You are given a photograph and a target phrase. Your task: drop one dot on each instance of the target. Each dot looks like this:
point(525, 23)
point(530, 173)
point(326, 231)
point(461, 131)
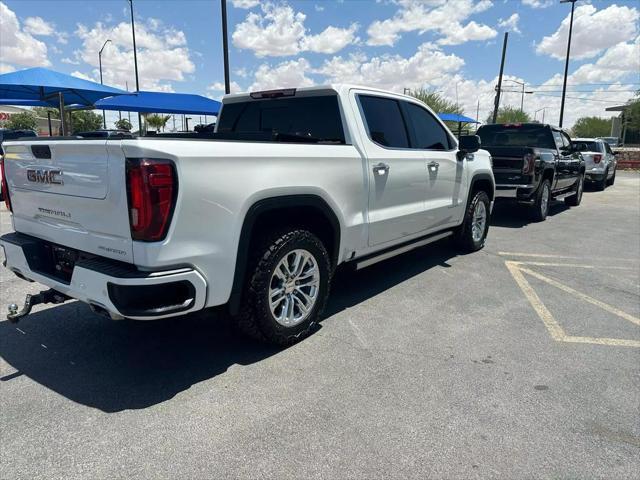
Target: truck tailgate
point(71, 192)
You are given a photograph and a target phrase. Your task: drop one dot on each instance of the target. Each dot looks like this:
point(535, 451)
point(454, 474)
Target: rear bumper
point(109, 287)
point(594, 175)
point(516, 192)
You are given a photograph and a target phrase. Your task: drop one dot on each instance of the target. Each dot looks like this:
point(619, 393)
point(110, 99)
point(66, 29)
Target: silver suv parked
point(600, 162)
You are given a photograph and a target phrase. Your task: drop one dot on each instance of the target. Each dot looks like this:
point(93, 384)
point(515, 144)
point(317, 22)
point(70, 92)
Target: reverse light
point(152, 187)
point(5, 185)
point(597, 158)
point(528, 163)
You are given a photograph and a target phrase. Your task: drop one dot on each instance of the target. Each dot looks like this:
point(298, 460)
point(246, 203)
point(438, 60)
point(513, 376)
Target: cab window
point(427, 133)
point(385, 122)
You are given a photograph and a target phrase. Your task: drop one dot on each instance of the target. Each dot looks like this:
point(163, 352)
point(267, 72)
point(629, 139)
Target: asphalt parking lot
point(519, 361)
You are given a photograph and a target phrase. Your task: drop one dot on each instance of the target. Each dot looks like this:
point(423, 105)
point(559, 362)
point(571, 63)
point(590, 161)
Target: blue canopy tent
point(160, 102)
point(43, 85)
point(459, 119)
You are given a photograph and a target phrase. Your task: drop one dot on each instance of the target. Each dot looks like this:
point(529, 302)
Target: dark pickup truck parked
point(533, 164)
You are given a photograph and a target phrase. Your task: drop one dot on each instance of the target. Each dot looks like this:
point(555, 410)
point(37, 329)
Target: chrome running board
point(407, 247)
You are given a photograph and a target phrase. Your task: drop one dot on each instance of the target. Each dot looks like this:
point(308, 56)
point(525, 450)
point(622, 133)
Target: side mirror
point(468, 144)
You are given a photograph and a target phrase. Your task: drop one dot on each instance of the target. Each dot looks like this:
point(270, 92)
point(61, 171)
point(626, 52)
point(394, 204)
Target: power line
point(579, 84)
point(584, 99)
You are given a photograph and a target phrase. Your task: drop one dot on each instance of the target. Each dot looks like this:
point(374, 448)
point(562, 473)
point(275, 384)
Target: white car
point(600, 161)
point(255, 216)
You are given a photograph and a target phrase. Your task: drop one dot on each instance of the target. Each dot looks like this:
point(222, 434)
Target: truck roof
point(339, 88)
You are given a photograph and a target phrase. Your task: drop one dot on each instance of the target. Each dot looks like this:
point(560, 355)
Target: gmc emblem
point(44, 176)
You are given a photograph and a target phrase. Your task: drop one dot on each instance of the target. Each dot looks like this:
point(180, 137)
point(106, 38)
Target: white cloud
point(292, 73)
point(38, 26)
point(593, 31)
point(17, 46)
point(428, 66)
point(245, 3)
point(280, 31)
point(510, 24)
point(537, 3)
point(216, 89)
point(331, 40)
point(163, 55)
point(458, 34)
point(444, 17)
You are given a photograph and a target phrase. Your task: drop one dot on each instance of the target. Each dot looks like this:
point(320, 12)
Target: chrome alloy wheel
point(479, 221)
point(294, 286)
point(544, 201)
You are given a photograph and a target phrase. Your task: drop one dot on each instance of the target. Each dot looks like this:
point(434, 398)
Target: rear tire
point(287, 288)
point(540, 208)
point(612, 180)
point(602, 184)
point(575, 199)
point(471, 235)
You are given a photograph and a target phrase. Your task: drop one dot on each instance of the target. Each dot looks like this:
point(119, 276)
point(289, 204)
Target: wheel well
point(299, 211)
point(299, 216)
point(483, 185)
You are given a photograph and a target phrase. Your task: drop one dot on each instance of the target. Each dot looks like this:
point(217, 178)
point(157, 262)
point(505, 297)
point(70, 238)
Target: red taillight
point(5, 185)
point(152, 187)
point(597, 158)
point(528, 163)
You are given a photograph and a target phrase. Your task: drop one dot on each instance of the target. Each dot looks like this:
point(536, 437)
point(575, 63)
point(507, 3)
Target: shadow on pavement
point(511, 215)
point(121, 365)
point(116, 366)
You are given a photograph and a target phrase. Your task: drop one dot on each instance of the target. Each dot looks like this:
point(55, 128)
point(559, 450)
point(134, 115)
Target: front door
point(446, 177)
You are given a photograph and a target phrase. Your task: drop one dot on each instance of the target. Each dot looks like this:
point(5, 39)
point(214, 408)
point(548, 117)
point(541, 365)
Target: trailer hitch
point(45, 296)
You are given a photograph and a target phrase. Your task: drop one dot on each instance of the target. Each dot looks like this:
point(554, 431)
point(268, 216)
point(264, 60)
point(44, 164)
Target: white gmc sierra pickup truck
point(255, 216)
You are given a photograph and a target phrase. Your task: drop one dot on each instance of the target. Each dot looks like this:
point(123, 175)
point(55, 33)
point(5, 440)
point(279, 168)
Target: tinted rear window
point(502, 136)
point(12, 135)
point(587, 146)
point(313, 117)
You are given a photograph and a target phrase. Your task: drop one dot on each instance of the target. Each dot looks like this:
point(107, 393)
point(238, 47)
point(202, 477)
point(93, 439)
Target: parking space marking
point(583, 296)
point(553, 327)
point(547, 255)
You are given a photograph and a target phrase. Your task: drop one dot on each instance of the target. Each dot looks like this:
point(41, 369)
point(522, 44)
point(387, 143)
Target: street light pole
point(566, 63)
point(135, 60)
point(104, 118)
point(535, 114)
point(225, 47)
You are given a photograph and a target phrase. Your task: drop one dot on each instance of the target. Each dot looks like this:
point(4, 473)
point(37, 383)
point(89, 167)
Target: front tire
point(472, 234)
point(540, 208)
point(287, 289)
point(575, 199)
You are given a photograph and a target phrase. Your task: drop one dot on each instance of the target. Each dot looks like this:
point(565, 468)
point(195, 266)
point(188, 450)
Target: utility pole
point(478, 112)
point(225, 46)
point(104, 118)
point(566, 63)
point(135, 60)
point(499, 87)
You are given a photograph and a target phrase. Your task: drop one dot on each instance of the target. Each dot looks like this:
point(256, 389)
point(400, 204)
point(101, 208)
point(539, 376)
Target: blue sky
point(452, 46)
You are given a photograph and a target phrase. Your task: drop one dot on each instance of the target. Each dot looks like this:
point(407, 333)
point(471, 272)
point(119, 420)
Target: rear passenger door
point(573, 159)
point(446, 180)
point(397, 174)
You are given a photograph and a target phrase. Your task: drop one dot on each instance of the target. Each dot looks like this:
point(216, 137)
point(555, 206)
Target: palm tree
point(157, 121)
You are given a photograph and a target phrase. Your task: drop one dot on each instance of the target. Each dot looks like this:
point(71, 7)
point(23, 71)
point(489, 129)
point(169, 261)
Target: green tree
point(124, 124)
point(157, 121)
point(509, 114)
point(85, 121)
point(436, 101)
point(22, 121)
point(591, 127)
point(633, 113)
point(42, 112)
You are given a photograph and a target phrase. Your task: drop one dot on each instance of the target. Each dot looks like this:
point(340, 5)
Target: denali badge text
point(45, 176)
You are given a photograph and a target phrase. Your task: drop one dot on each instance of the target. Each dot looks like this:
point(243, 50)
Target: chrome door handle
point(381, 169)
point(433, 165)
